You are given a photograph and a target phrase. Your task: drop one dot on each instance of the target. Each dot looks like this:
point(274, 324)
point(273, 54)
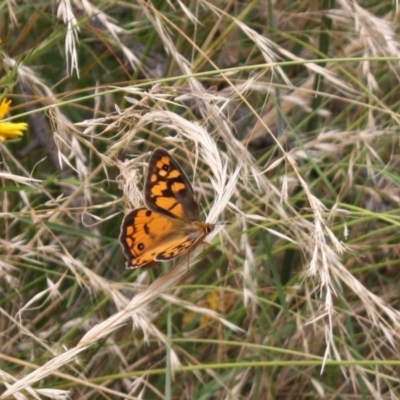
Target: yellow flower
point(10, 130)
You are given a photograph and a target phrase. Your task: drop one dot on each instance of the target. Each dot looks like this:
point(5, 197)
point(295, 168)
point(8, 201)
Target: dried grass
point(297, 297)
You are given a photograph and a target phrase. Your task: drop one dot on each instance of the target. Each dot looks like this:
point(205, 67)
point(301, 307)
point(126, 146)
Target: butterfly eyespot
point(148, 213)
point(165, 167)
point(140, 246)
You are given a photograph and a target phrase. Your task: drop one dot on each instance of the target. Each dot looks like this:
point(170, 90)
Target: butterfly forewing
point(167, 189)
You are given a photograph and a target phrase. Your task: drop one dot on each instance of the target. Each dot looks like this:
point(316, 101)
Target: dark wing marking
point(176, 250)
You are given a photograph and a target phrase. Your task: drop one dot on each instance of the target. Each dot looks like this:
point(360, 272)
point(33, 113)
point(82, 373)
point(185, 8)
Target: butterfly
point(168, 225)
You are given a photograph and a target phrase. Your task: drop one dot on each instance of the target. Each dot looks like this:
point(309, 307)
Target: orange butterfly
point(169, 224)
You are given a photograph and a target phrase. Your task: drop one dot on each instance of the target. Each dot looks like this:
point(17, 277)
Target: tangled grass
point(285, 118)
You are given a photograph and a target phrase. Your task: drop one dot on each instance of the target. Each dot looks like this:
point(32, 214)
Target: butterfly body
point(169, 224)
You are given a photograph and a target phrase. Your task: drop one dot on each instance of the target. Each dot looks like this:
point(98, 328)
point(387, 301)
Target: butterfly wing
point(167, 190)
point(147, 236)
point(176, 248)
point(169, 225)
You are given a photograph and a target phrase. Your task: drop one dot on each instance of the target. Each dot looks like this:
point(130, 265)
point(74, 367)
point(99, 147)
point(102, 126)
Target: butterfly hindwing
point(176, 250)
point(167, 189)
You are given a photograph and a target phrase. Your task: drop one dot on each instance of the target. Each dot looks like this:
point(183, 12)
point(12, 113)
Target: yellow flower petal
point(12, 130)
point(4, 107)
